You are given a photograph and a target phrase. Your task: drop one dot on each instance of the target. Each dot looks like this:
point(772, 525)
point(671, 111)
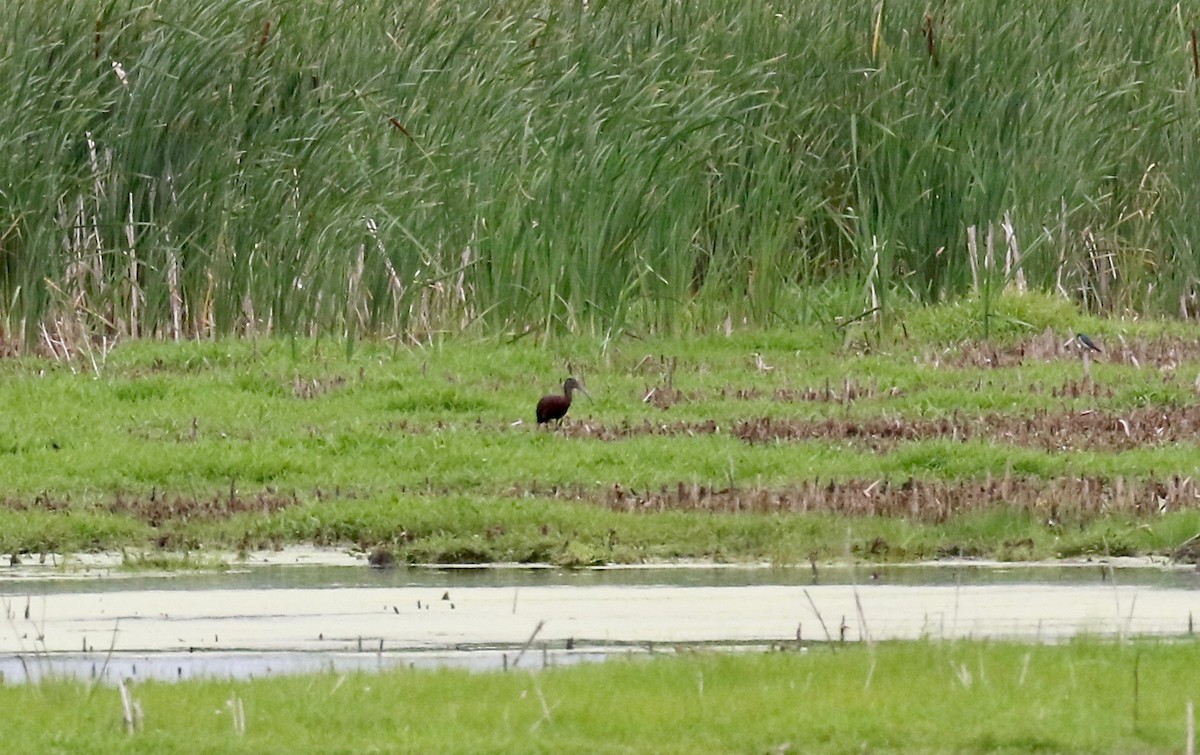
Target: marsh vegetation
point(281, 273)
point(199, 168)
point(784, 446)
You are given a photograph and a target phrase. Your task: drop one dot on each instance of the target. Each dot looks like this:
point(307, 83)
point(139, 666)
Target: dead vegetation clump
point(1041, 428)
point(665, 396)
point(1048, 429)
point(1054, 501)
point(310, 388)
point(1045, 347)
point(612, 432)
point(849, 390)
point(10, 346)
point(156, 510)
point(1164, 352)
point(40, 502)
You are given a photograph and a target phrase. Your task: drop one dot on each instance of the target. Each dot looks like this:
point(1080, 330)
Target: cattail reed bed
point(195, 168)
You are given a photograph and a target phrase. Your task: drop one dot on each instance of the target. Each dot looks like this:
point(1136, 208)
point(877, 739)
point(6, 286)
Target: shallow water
point(97, 622)
point(335, 570)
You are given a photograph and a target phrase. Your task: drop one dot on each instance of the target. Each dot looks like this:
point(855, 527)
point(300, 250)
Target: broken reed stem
point(541, 699)
point(1195, 57)
point(239, 714)
point(107, 656)
point(1190, 740)
point(866, 635)
point(1137, 662)
point(825, 629)
point(528, 642)
point(930, 44)
point(127, 706)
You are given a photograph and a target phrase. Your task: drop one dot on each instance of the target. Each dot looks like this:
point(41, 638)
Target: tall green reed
point(191, 168)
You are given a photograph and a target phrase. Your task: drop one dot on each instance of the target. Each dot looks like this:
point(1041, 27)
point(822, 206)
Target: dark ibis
point(554, 407)
point(1086, 344)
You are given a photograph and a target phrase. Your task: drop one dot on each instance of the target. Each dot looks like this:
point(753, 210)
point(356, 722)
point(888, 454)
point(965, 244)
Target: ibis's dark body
point(554, 407)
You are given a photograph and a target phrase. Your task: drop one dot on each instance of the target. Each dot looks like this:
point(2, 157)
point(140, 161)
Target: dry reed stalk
point(1195, 57)
point(358, 305)
point(989, 250)
point(1190, 738)
point(131, 709)
point(107, 656)
point(1062, 249)
point(877, 33)
point(528, 642)
point(973, 256)
point(1137, 663)
point(462, 292)
point(872, 278)
point(237, 714)
point(176, 297)
point(930, 43)
point(1012, 260)
point(264, 37)
point(825, 629)
point(542, 699)
point(205, 318)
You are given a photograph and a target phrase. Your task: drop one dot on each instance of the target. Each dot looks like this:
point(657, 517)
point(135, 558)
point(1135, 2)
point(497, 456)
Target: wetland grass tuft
point(960, 450)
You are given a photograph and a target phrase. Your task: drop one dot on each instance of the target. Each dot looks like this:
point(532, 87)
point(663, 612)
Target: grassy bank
point(210, 167)
point(1084, 696)
point(777, 445)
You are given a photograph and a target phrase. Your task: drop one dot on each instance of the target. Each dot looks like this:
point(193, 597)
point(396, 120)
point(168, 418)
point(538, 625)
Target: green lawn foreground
point(1084, 696)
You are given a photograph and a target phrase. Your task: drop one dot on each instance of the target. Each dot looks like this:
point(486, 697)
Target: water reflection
point(49, 581)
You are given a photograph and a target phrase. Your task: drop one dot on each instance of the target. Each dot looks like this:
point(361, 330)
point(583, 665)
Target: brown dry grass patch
point(930, 501)
point(1047, 429)
point(157, 509)
point(1165, 352)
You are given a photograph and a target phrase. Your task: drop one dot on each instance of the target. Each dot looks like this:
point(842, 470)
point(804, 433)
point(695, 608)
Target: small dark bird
point(1086, 343)
point(381, 557)
point(554, 407)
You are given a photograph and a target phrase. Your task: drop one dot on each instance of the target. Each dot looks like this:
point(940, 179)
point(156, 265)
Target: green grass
point(1083, 696)
point(464, 529)
point(236, 166)
point(259, 443)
